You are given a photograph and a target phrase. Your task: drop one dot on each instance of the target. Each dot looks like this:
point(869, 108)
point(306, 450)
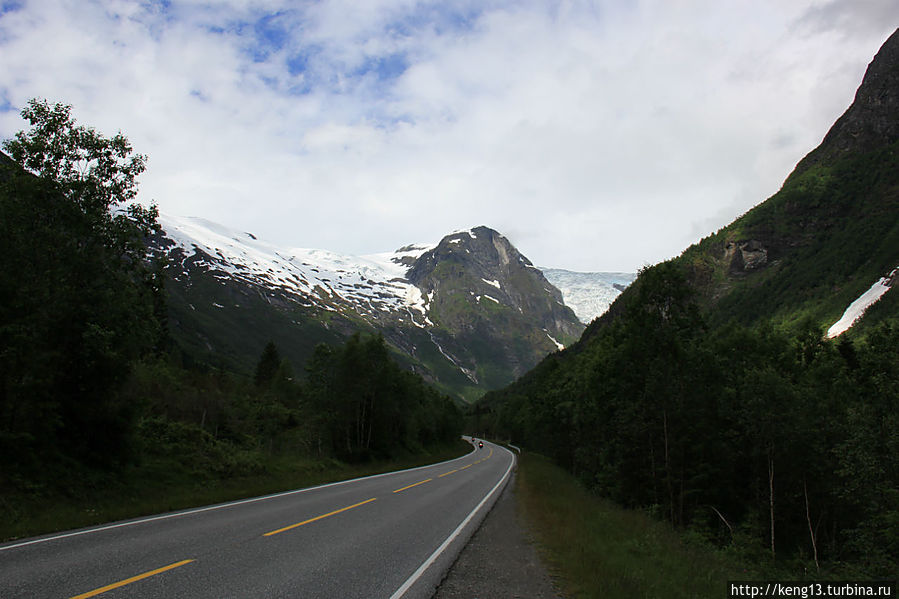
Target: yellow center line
point(421, 482)
point(343, 509)
point(122, 583)
point(447, 473)
point(464, 467)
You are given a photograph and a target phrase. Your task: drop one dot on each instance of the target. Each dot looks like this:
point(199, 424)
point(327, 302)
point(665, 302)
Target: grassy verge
point(160, 487)
point(597, 549)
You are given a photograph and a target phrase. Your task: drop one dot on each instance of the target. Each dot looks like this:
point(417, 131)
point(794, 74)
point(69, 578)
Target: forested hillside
point(709, 394)
point(92, 387)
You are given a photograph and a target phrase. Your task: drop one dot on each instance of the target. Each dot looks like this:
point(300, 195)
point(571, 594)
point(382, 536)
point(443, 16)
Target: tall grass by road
point(597, 549)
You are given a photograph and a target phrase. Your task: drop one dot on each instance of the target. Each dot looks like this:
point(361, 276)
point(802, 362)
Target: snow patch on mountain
point(558, 345)
point(371, 284)
point(857, 308)
point(589, 294)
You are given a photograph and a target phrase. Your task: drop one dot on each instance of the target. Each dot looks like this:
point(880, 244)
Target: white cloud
point(596, 135)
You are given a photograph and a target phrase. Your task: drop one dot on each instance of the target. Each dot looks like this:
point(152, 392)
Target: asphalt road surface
point(391, 535)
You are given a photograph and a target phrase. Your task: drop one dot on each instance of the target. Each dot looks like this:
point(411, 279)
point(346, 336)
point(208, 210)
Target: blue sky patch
point(11, 6)
point(302, 62)
point(385, 68)
point(444, 18)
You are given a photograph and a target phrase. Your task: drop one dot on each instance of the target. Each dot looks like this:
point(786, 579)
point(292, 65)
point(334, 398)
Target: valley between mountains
point(744, 395)
point(469, 313)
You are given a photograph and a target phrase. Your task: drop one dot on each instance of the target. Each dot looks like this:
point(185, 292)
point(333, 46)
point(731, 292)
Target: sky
point(596, 135)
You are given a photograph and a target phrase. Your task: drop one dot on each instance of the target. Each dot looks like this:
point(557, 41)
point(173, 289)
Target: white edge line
point(223, 505)
point(428, 562)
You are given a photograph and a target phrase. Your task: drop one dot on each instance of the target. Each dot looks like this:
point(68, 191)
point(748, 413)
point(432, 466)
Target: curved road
point(391, 535)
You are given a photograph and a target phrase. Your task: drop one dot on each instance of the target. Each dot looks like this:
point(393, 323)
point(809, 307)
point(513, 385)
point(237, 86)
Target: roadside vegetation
point(162, 486)
point(103, 416)
point(595, 548)
point(769, 439)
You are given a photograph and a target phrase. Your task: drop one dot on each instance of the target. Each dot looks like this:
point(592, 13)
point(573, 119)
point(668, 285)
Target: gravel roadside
point(499, 560)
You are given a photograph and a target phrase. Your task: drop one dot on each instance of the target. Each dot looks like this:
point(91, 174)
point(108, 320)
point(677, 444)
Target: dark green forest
point(91, 383)
point(772, 440)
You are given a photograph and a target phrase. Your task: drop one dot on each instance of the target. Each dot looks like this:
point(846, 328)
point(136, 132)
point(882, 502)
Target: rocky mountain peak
point(481, 249)
point(472, 275)
point(872, 121)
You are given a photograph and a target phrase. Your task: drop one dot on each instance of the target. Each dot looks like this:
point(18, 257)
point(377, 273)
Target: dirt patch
point(499, 560)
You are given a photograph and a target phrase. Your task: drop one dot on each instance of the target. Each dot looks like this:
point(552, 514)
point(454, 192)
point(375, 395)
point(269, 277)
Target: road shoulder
point(499, 560)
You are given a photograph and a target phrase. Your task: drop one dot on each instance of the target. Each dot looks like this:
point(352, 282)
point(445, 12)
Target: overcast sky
point(597, 136)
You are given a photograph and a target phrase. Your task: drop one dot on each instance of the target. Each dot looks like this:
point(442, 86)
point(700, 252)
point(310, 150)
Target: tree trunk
point(371, 420)
point(811, 531)
point(726, 523)
point(771, 496)
point(652, 464)
point(668, 469)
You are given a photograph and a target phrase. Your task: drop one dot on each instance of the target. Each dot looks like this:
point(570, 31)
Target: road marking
point(448, 473)
point(220, 506)
point(421, 482)
point(468, 466)
point(122, 583)
point(428, 562)
point(343, 509)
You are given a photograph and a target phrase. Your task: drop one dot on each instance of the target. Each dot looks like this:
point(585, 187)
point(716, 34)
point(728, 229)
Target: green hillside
point(825, 237)
point(709, 395)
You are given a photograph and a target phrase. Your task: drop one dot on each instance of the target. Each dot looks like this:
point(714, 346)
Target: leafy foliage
point(749, 436)
point(369, 406)
point(79, 299)
point(90, 381)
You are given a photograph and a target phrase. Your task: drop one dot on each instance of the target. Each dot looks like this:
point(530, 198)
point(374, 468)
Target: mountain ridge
point(828, 234)
point(469, 312)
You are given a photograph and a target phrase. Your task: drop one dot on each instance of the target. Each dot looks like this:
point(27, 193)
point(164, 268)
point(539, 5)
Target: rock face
point(490, 306)
point(745, 256)
point(470, 268)
point(872, 120)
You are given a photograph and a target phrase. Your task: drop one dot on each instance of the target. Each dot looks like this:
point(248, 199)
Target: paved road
point(390, 536)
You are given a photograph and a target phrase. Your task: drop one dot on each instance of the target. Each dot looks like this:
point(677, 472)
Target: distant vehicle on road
point(480, 444)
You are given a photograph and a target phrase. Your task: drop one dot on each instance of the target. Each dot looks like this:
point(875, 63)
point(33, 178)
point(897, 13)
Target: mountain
point(589, 294)
point(469, 313)
point(828, 235)
point(712, 392)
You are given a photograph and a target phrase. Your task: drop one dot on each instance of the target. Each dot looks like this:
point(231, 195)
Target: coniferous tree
point(268, 366)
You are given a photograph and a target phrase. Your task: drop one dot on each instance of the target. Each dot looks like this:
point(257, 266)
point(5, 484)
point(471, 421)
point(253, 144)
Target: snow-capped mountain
point(372, 285)
point(589, 294)
point(470, 312)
